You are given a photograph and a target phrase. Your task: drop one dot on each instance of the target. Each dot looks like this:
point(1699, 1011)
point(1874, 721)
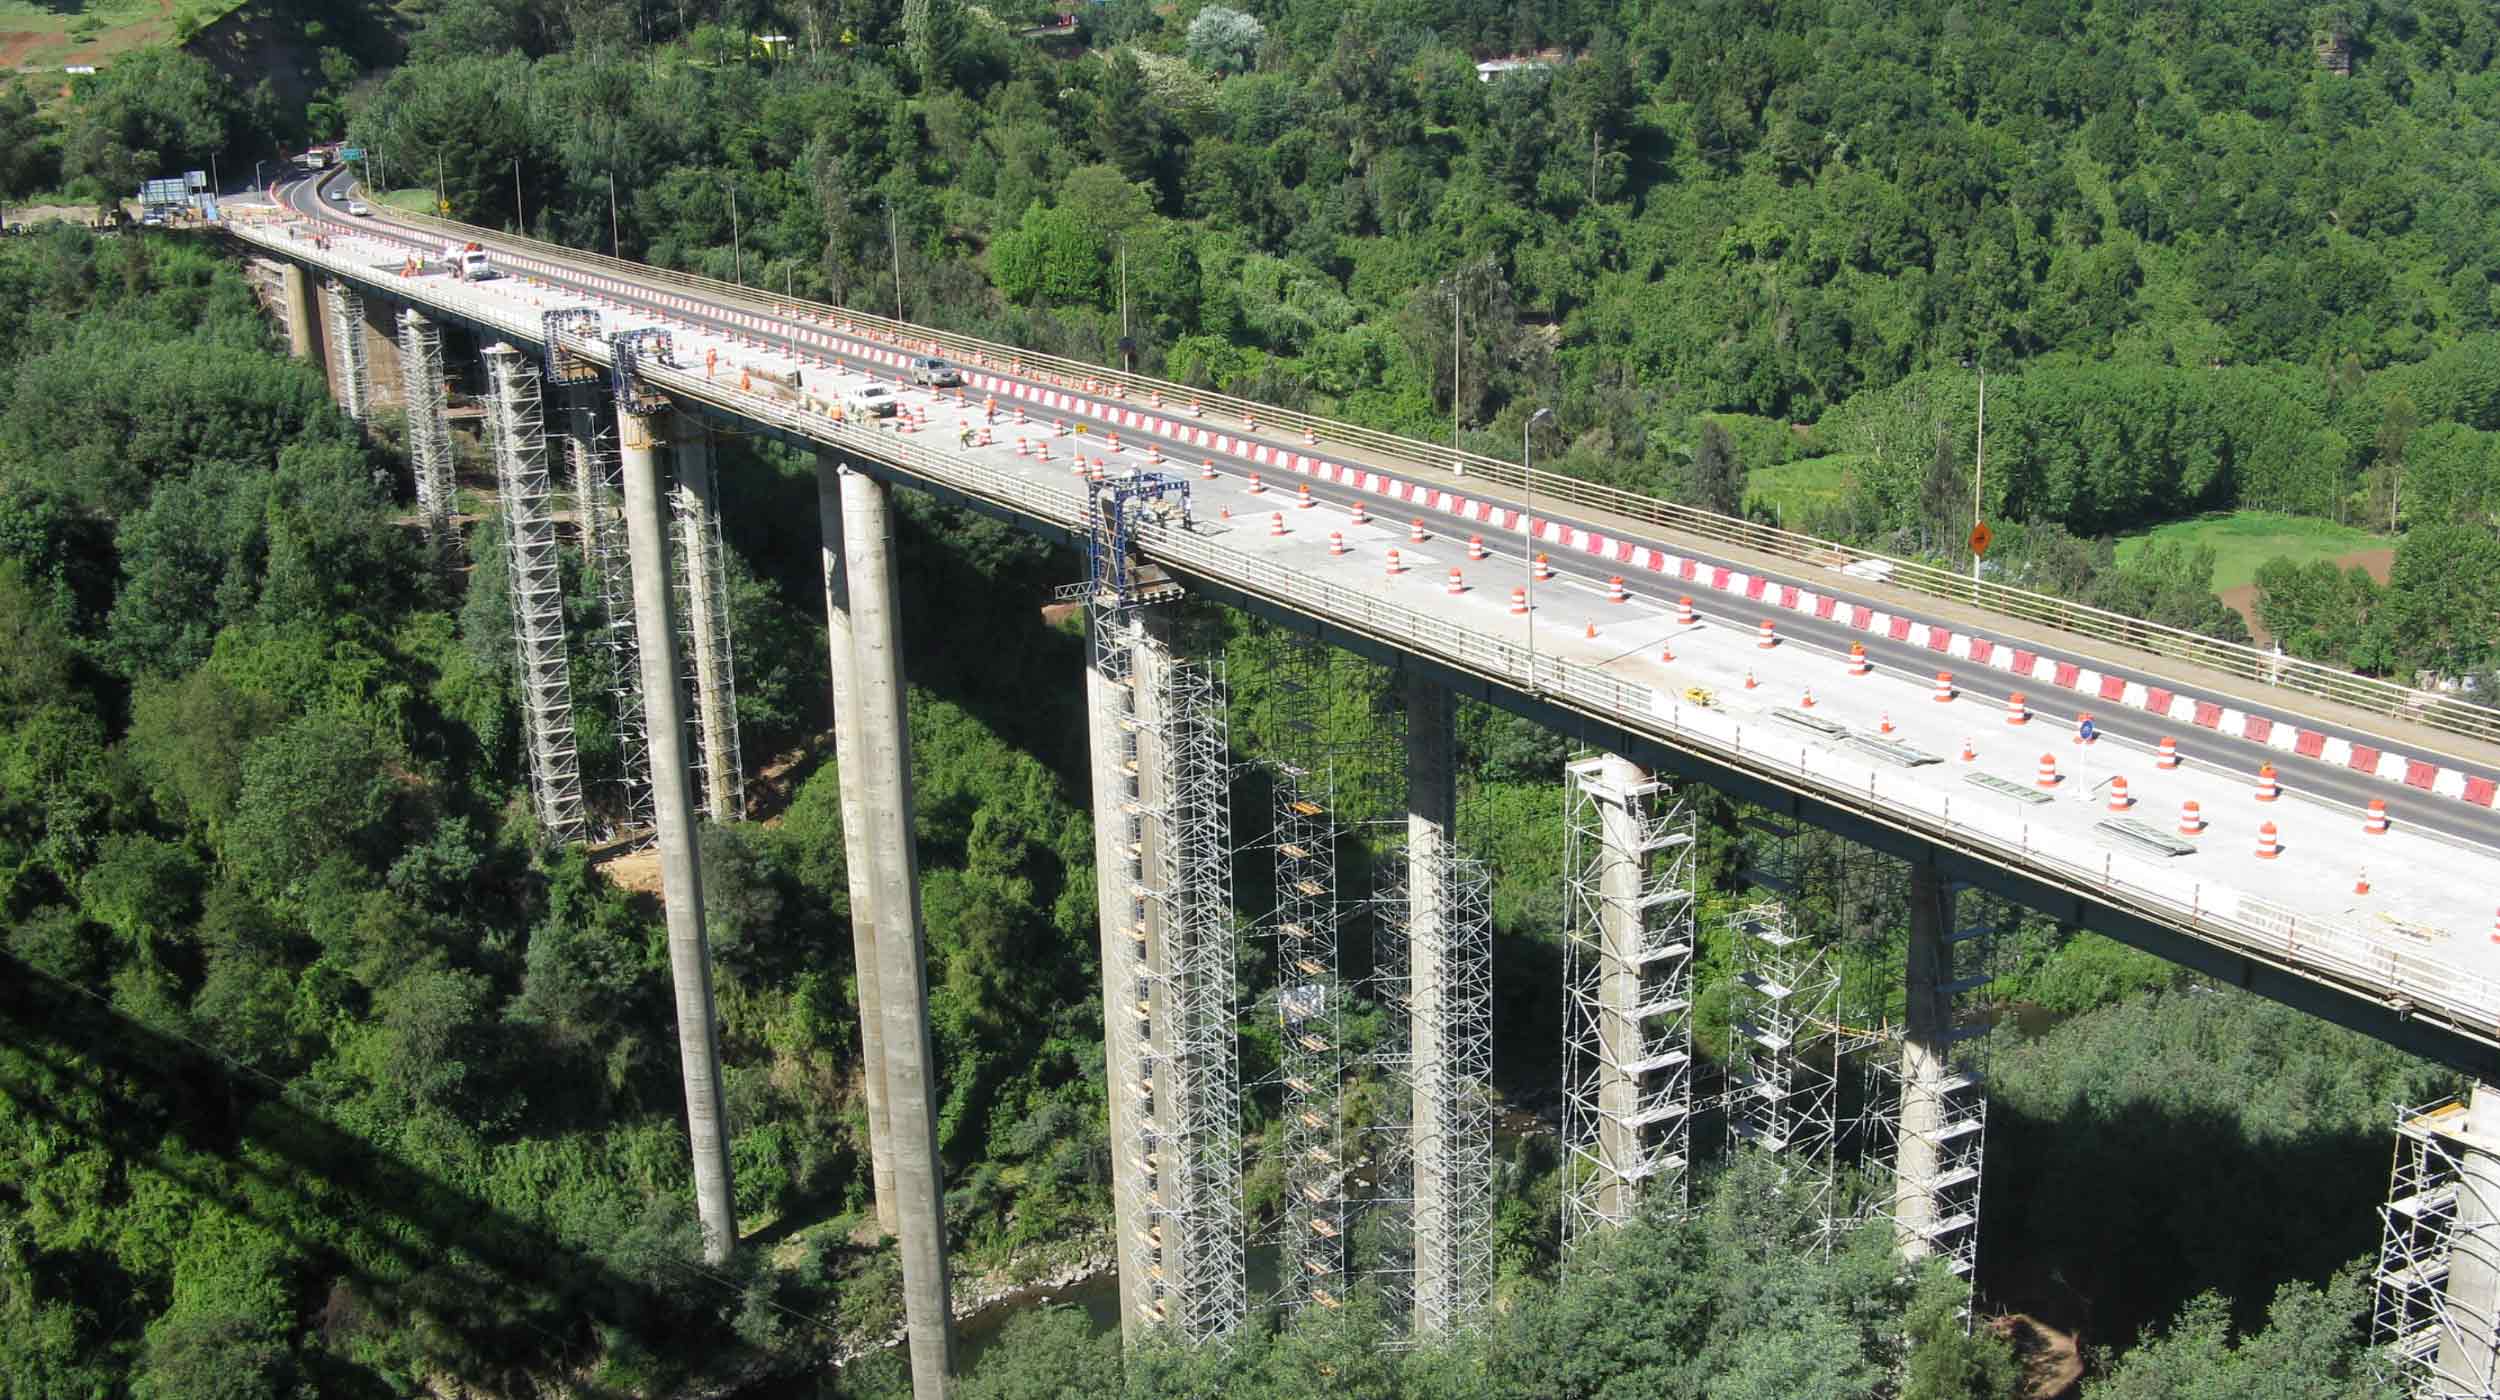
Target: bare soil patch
point(2052, 1362)
point(636, 871)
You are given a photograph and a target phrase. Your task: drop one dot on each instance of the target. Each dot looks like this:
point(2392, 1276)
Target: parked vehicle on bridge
point(871, 401)
point(930, 372)
point(471, 263)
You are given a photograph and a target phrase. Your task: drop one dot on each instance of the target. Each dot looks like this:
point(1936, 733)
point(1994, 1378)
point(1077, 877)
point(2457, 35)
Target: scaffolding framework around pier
point(1628, 1005)
point(1180, 1065)
point(2434, 1344)
point(347, 345)
point(1783, 1085)
point(1310, 1008)
point(700, 576)
point(598, 493)
point(1940, 1095)
point(430, 457)
point(518, 439)
point(1452, 1078)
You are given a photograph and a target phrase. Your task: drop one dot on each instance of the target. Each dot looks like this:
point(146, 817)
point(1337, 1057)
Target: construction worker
point(963, 436)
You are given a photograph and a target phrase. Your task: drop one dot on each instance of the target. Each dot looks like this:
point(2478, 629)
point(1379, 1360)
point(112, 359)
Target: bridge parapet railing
point(2427, 708)
point(2323, 948)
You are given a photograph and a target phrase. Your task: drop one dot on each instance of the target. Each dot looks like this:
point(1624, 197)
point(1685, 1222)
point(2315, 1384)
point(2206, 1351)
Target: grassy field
point(40, 37)
point(1792, 487)
point(414, 201)
point(2242, 540)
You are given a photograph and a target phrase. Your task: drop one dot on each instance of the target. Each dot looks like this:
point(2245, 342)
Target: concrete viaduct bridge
point(2317, 837)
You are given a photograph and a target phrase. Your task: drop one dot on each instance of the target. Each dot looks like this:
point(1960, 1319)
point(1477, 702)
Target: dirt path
point(2243, 599)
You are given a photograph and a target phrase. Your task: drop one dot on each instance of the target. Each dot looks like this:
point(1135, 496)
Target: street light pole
point(1979, 472)
point(894, 245)
point(1527, 481)
point(519, 210)
point(616, 241)
point(737, 249)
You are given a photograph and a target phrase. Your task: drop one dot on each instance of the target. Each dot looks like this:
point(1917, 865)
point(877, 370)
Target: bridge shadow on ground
point(2108, 1217)
point(485, 1297)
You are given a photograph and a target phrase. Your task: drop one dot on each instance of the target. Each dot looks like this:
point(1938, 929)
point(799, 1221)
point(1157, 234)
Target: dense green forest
point(323, 1076)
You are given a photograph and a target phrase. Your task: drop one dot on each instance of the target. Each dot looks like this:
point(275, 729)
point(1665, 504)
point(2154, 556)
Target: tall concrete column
point(1619, 987)
point(1926, 1027)
point(2469, 1345)
point(1431, 811)
point(1150, 663)
point(303, 318)
point(715, 694)
point(1131, 941)
point(902, 962)
point(681, 872)
point(857, 859)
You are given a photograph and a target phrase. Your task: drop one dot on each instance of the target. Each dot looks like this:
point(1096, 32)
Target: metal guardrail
point(2426, 708)
point(2321, 949)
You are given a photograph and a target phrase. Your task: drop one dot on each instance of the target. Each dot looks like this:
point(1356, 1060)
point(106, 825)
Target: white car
point(360, 209)
point(873, 401)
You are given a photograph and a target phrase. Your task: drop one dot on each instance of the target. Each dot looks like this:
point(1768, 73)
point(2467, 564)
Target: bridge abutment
point(681, 873)
point(902, 968)
point(858, 861)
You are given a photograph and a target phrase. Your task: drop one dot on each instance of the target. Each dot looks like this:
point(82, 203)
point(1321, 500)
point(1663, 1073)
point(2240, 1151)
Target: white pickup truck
point(469, 262)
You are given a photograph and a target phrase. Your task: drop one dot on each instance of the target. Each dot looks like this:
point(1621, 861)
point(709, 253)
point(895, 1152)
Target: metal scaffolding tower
point(702, 583)
point(1196, 1047)
point(2434, 1337)
point(598, 495)
point(609, 572)
point(1782, 1087)
point(347, 342)
point(1452, 1072)
point(1383, 1244)
point(1310, 1004)
point(429, 426)
point(519, 442)
point(1628, 1003)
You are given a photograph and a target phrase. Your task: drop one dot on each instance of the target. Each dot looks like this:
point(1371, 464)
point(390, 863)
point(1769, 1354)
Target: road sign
point(1981, 537)
point(351, 153)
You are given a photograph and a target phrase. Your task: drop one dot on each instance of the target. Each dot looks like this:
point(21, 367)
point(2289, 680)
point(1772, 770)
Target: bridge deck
point(2424, 934)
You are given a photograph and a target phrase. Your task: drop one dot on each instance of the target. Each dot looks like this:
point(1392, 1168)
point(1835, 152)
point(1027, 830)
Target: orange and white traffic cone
point(2267, 846)
point(1257, 487)
point(2119, 801)
point(2017, 711)
point(1858, 664)
point(1944, 687)
point(1768, 637)
point(1276, 523)
point(1415, 534)
point(2361, 881)
point(1302, 499)
point(1457, 584)
point(1808, 702)
point(2048, 771)
point(1684, 615)
point(1476, 549)
point(1542, 570)
point(1969, 754)
point(2169, 756)
point(1614, 590)
point(1519, 602)
point(1395, 568)
point(1336, 542)
point(2268, 788)
point(2191, 819)
point(2375, 824)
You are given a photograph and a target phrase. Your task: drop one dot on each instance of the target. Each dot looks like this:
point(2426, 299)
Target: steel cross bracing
point(347, 341)
point(699, 572)
point(1116, 508)
point(517, 435)
point(2437, 1346)
point(598, 490)
point(1453, 1230)
point(1782, 1089)
point(1628, 1001)
point(429, 426)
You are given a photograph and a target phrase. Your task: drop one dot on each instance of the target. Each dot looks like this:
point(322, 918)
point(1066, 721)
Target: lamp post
point(1527, 481)
point(256, 180)
point(1979, 468)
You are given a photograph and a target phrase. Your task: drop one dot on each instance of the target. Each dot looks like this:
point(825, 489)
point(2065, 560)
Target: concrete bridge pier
point(885, 793)
point(351, 381)
point(303, 319)
point(429, 424)
point(2469, 1341)
point(1431, 812)
point(857, 859)
point(1941, 1132)
point(1125, 755)
point(681, 872)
